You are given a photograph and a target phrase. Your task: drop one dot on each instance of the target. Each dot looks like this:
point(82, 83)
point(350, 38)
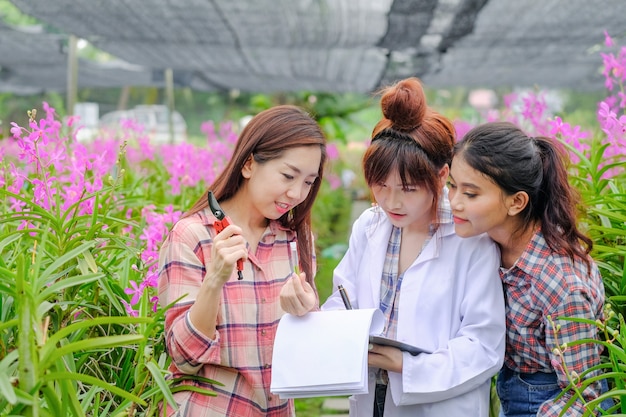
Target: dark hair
point(536, 165)
point(267, 136)
point(411, 137)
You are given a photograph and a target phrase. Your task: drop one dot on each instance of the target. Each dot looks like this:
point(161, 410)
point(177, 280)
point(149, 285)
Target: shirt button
point(262, 300)
point(270, 398)
point(267, 366)
point(263, 332)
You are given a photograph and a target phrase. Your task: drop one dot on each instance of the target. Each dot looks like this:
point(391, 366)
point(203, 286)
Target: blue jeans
point(521, 395)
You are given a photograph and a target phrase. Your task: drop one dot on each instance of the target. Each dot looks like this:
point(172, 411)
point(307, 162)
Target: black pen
point(344, 297)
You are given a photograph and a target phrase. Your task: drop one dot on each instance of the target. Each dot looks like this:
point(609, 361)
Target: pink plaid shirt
point(240, 357)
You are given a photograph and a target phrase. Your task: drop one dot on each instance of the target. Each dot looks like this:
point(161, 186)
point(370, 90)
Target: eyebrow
point(466, 184)
point(298, 170)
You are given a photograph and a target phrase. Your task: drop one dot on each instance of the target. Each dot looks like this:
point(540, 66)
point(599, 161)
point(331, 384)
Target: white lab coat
point(451, 303)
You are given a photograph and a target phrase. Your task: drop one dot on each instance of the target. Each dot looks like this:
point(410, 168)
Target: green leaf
point(89, 400)
point(67, 283)
point(12, 237)
point(61, 260)
point(158, 378)
point(43, 308)
point(82, 265)
point(73, 376)
point(56, 338)
point(53, 402)
point(6, 388)
point(8, 324)
point(27, 370)
point(90, 344)
point(90, 261)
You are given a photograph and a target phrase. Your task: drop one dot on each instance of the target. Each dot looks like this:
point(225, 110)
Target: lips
point(282, 208)
point(395, 216)
point(458, 220)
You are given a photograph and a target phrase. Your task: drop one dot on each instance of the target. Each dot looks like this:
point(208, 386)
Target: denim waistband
point(543, 375)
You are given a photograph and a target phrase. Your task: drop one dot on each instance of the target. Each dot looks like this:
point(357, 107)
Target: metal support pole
point(169, 91)
point(72, 73)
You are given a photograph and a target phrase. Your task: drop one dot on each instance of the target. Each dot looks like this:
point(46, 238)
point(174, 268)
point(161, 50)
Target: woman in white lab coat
point(437, 291)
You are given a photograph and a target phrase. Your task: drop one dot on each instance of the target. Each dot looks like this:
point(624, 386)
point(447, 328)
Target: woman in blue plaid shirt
point(515, 188)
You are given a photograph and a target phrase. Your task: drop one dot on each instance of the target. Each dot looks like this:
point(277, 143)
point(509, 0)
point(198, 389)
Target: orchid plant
point(80, 224)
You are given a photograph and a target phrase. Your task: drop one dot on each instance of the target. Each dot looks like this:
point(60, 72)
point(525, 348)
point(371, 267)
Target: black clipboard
point(381, 340)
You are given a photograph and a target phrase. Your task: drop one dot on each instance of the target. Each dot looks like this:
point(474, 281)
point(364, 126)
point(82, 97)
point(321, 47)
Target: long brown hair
point(411, 137)
point(266, 137)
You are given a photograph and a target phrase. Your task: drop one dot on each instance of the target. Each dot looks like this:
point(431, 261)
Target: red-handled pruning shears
point(222, 221)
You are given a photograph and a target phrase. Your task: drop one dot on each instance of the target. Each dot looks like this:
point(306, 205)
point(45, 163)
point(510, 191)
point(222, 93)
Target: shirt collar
point(535, 254)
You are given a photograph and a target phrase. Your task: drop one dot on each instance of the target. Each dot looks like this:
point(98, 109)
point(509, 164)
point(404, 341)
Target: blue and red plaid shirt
point(240, 356)
point(544, 284)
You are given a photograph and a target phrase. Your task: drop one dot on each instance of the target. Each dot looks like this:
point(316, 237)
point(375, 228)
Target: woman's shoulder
point(194, 224)
point(370, 220)
point(370, 214)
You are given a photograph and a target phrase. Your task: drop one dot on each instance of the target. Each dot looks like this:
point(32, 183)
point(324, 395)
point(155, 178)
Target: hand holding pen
point(297, 297)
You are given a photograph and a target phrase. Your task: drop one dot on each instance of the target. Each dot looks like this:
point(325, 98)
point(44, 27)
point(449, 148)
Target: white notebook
point(323, 353)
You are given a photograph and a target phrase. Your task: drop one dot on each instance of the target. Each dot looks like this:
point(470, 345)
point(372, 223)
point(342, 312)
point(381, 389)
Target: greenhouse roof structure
point(317, 45)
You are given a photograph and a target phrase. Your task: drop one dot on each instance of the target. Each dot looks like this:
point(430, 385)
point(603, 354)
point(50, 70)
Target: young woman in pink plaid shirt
point(515, 188)
point(221, 328)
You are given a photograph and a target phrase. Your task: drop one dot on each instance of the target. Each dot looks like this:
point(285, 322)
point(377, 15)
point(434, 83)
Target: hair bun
point(404, 104)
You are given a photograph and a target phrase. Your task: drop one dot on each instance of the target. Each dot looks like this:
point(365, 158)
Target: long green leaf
point(24, 398)
point(158, 378)
point(53, 403)
point(615, 215)
point(61, 260)
point(54, 339)
point(26, 337)
point(112, 296)
point(12, 237)
point(6, 389)
point(90, 401)
point(67, 283)
point(73, 376)
point(90, 261)
point(90, 344)
point(70, 396)
point(8, 324)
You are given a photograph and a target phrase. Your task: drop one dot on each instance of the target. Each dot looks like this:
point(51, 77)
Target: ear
point(517, 202)
point(444, 173)
point(246, 170)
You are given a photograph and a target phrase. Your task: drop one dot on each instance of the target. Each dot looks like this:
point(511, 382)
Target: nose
point(297, 192)
point(455, 203)
point(394, 200)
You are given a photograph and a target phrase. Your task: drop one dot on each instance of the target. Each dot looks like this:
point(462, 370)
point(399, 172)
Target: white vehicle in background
point(153, 118)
